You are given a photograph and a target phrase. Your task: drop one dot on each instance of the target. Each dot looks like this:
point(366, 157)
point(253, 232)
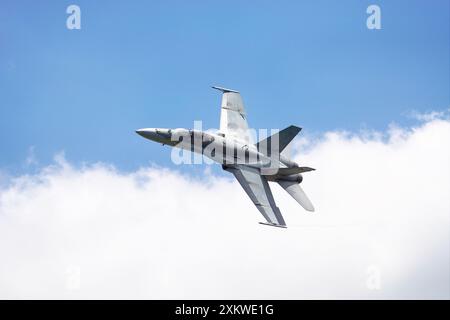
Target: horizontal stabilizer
point(278, 141)
point(284, 171)
point(294, 189)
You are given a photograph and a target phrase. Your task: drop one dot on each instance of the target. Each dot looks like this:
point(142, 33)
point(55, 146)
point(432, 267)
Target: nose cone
point(144, 132)
point(154, 134)
point(148, 133)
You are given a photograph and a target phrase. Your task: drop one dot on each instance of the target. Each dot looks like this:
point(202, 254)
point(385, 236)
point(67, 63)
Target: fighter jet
point(253, 164)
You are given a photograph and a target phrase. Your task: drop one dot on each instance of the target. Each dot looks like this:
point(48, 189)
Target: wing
point(233, 120)
point(257, 188)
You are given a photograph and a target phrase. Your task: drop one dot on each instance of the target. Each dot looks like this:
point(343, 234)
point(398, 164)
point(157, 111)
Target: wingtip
point(274, 225)
point(224, 90)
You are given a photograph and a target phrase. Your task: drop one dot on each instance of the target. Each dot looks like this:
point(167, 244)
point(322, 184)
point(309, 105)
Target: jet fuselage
point(217, 147)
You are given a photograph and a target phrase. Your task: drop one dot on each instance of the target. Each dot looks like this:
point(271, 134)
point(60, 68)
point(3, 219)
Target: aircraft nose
point(140, 131)
point(146, 133)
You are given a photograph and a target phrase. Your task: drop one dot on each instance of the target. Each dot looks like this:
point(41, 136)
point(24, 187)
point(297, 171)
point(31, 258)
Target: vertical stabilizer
point(278, 141)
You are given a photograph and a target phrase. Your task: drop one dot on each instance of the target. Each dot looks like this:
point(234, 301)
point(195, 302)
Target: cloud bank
point(380, 230)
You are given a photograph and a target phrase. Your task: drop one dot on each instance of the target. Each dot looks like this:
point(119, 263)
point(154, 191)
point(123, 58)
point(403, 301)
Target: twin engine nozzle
point(293, 177)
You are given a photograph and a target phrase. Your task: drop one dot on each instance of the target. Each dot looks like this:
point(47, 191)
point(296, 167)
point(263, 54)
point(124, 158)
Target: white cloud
point(382, 205)
point(429, 116)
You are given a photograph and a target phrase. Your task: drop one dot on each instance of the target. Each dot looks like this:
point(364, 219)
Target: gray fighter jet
point(253, 164)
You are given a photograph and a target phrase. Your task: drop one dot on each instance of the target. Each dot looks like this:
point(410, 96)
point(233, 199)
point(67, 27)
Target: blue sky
point(150, 64)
